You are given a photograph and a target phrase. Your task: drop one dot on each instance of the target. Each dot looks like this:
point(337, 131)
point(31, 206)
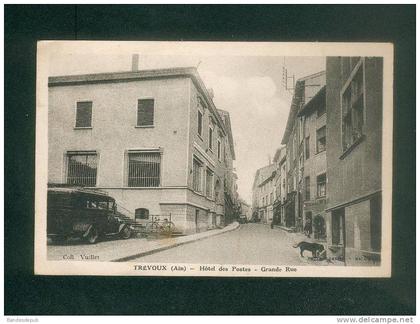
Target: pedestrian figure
point(308, 228)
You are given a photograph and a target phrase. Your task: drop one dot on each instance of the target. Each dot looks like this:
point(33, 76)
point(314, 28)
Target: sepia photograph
point(236, 160)
point(214, 159)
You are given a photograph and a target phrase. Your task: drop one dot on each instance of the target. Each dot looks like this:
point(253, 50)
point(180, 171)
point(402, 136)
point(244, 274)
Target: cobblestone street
point(250, 244)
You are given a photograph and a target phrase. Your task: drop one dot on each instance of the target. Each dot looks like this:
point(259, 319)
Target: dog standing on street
point(315, 248)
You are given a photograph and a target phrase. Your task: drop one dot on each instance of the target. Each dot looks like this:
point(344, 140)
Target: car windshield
point(95, 204)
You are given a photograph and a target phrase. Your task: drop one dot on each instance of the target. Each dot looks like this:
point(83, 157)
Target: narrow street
point(250, 244)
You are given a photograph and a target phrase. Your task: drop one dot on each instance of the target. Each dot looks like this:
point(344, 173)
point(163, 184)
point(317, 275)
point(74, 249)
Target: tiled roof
point(313, 102)
point(265, 173)
point(65, 80)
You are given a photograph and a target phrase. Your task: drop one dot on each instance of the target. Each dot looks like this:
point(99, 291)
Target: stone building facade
point(354, 158)
point(314, 180)
point(305, 89)
point(263, 192)
point(152, 139)
point(280, 186)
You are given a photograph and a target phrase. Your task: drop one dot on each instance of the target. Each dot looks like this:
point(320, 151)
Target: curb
point(288, 230)
point(163, 248)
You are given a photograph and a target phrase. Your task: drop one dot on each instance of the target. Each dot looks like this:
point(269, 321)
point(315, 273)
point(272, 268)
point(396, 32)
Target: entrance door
point(338, 229)
point(319, 227)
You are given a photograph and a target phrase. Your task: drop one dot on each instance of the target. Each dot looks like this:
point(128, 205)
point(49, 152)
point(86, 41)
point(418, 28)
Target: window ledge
point(198, 193)
point(352, 146)
point(134, 187)
point(199, 136)
point(89, 127)
point(145, 126)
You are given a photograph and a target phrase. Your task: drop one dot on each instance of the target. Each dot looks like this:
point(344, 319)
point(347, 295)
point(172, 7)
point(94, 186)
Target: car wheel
point(93, 235)
point(126, 233)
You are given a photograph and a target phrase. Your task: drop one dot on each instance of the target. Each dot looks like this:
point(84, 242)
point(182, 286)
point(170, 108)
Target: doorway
point(338, 234)
point(197, 215)
point(319, 227)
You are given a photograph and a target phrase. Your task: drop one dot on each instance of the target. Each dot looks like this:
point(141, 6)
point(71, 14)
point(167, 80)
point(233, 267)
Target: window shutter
point(145, 112)
point(84, 114)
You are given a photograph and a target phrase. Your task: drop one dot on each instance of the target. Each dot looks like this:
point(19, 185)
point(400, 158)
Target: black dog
point(315, 248)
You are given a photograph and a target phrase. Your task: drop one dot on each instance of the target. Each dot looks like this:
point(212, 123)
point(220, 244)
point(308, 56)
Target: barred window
point(144, 169)
point(142, 213)
point(321, 183)
point(82, 168)
point(84, 114)
point(197, 175)
point(145, 112)
point(209, 183)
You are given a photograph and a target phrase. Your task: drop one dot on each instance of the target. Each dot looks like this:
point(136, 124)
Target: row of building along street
point(325, 177)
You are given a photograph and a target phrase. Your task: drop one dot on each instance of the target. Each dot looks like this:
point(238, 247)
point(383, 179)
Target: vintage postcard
point(214, 159)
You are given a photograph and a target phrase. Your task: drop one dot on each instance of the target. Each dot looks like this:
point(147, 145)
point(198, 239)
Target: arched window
point(142, 213)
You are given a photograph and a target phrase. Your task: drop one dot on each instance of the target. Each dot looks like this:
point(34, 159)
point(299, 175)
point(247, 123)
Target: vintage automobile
point(84, 213)
point(243, 219)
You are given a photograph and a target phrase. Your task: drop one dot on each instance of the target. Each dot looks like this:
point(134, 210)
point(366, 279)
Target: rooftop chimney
point(211, 93)
point(135, 63)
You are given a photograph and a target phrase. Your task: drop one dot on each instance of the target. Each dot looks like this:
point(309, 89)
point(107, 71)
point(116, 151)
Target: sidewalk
point(297, 237)
point(126, 250)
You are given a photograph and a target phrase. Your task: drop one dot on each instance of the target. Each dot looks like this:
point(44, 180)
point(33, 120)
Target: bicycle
point(160, 227)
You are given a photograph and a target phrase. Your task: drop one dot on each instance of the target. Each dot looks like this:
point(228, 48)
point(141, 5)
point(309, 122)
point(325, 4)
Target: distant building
point(305, 89)
point(245, 210)
point(153, 139)
point(280, 186)
point(230, 187)
point(354, 158)
point(314, 182)
point(263, 194)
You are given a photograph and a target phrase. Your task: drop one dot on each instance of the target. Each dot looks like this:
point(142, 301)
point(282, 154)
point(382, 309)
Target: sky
point(249, 87)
